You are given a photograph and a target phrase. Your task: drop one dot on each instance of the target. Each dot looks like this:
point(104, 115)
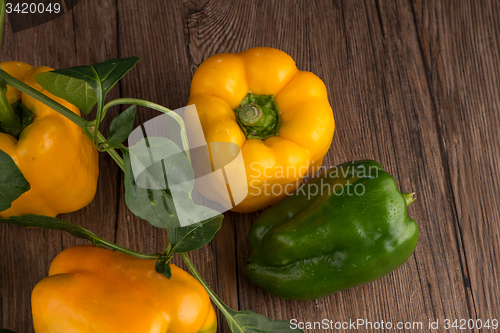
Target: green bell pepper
point(346, 227)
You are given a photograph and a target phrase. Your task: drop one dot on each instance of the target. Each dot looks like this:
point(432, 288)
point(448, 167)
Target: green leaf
point(12, 181)
point(158, 186)
point(111, 71)
point(122, 126)
point(158, 183)
point(154, 206)
point(162, 266)
point(149, 153)
point(250, 322)
point(47, 222)
point(73, 90)
point(190, 238)
point(85, 73)
point(101, 77)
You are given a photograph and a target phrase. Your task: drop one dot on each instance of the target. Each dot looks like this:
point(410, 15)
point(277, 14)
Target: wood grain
point(414, 84)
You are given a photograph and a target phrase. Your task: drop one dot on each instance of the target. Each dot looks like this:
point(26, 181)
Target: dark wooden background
point(413, 84)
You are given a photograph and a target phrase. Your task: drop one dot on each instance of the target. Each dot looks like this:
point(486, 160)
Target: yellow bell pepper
point(93, 290)
point(54, 155)
point(279, 116)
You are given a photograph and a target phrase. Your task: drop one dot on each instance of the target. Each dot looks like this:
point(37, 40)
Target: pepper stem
point(258, 116)
point(409, 198)
point(250, 114)
point(10, 122)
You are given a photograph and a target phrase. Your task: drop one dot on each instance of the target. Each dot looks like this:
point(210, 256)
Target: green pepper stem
point(250, 114)
point(9, 120)
point(409, 198)
point(258, 116)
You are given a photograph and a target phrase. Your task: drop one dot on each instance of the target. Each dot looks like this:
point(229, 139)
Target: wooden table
point(413, 84)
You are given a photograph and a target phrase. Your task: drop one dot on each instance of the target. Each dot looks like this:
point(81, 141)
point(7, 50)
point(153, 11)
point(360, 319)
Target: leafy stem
point(218, 302)
point(88, 127)
point(111, 151)
point(47, 222)
point(15, 83)
point(157, 107)
point(98, 119)
point(168, 250)
point(241, 321)
point(126, 250)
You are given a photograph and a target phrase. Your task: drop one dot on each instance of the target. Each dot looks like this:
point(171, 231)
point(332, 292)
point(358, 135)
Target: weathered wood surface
point(413, 84)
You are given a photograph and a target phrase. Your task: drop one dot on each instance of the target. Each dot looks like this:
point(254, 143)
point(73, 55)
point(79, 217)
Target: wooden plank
point(436, 287)
point(460, 49)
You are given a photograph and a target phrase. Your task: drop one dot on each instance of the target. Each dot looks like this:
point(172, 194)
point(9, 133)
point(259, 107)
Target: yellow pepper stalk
point(279, 116)
point(53, 153)
point(93, 290)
